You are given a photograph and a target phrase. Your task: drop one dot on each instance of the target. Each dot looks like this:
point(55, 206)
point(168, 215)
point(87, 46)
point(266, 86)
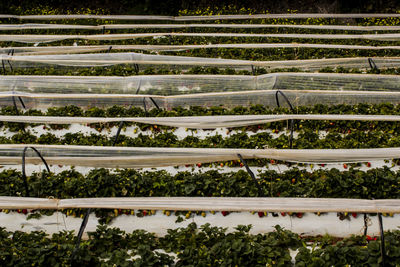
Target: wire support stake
point(253, 70)
point(23, 167)
point(365, 224)
point(79, 237)
point(383, 252)
point(260, 193)
point(373, 66)
point(292, 109)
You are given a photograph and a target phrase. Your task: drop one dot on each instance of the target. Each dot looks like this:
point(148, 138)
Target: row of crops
point(240, 140)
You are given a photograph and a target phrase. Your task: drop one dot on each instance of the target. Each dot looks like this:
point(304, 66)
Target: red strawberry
point(354, 214)
point(224, 213)
point(299, 215)
point(368, 164)
point(222, 165)
point(260, 214)
point(345, 165)
point(24, 211)
point(322, 165)
point(283, 213)
point(119, 211)
point(293, 181)
point(199, 165)
point(144, 212)
point(241, 164)
point(278, 194)
point(272, 161)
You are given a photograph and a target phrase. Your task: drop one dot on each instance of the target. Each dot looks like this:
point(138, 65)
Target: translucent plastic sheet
point(76, 49)
point(181, 62)
point(148, 84)
point(30, 26)
point(199, 18)
point(42, 38)
point(193, 84)
point(199, 122)
point(149, 157)
point(226, 99)
point(268, 204)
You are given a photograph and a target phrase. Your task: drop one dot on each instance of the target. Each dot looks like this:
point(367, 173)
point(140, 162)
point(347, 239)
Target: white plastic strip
point(29, 26)
point(42, 38)
point(268, 204)
point(199, 122)
point(77, 49)
point(108, 59)
point(201, 18)
point(193, 84)
point(142, 157)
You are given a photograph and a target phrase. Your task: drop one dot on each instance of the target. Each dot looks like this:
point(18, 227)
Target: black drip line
point(291, 108)
point(27, 193)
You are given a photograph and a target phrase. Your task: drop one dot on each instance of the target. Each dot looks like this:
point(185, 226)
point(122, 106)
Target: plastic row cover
point(192, 84)
point(226, 99)
point(198, 122)
point(199, 18)
point(30, 26)
point(142, 157)
point(268, 204)
point(42, 38)
point(181, 62)
point(79, 49)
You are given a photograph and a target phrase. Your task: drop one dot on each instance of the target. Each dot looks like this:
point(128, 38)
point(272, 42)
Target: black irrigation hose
point(365, 224)
point(260, 194)
point(79, 238)
point(383, 252)
point(136, 68)
point(23, 167)
point(292, 109)
point(253, 70)
point(4, 68)
point(373, 65)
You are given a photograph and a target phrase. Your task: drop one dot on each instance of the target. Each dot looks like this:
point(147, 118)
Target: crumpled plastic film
point(202, 18)
point(167, 85)
point(181, 62)
point(38, 26)
point(269, 204)
point(199, 122)
point(148, 157)
point(43, 38)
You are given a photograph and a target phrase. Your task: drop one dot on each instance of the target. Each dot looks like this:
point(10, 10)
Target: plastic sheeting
point(149, 157)
point(268, 204)
point(199, 122)
point(40, 26)
point(42, 38)
point(201, 18)
point(79, 49)
point(225, 99)
point(181, 62)
point(192, 84)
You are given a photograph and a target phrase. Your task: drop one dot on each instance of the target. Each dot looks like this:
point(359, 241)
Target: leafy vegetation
point(194, 246)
